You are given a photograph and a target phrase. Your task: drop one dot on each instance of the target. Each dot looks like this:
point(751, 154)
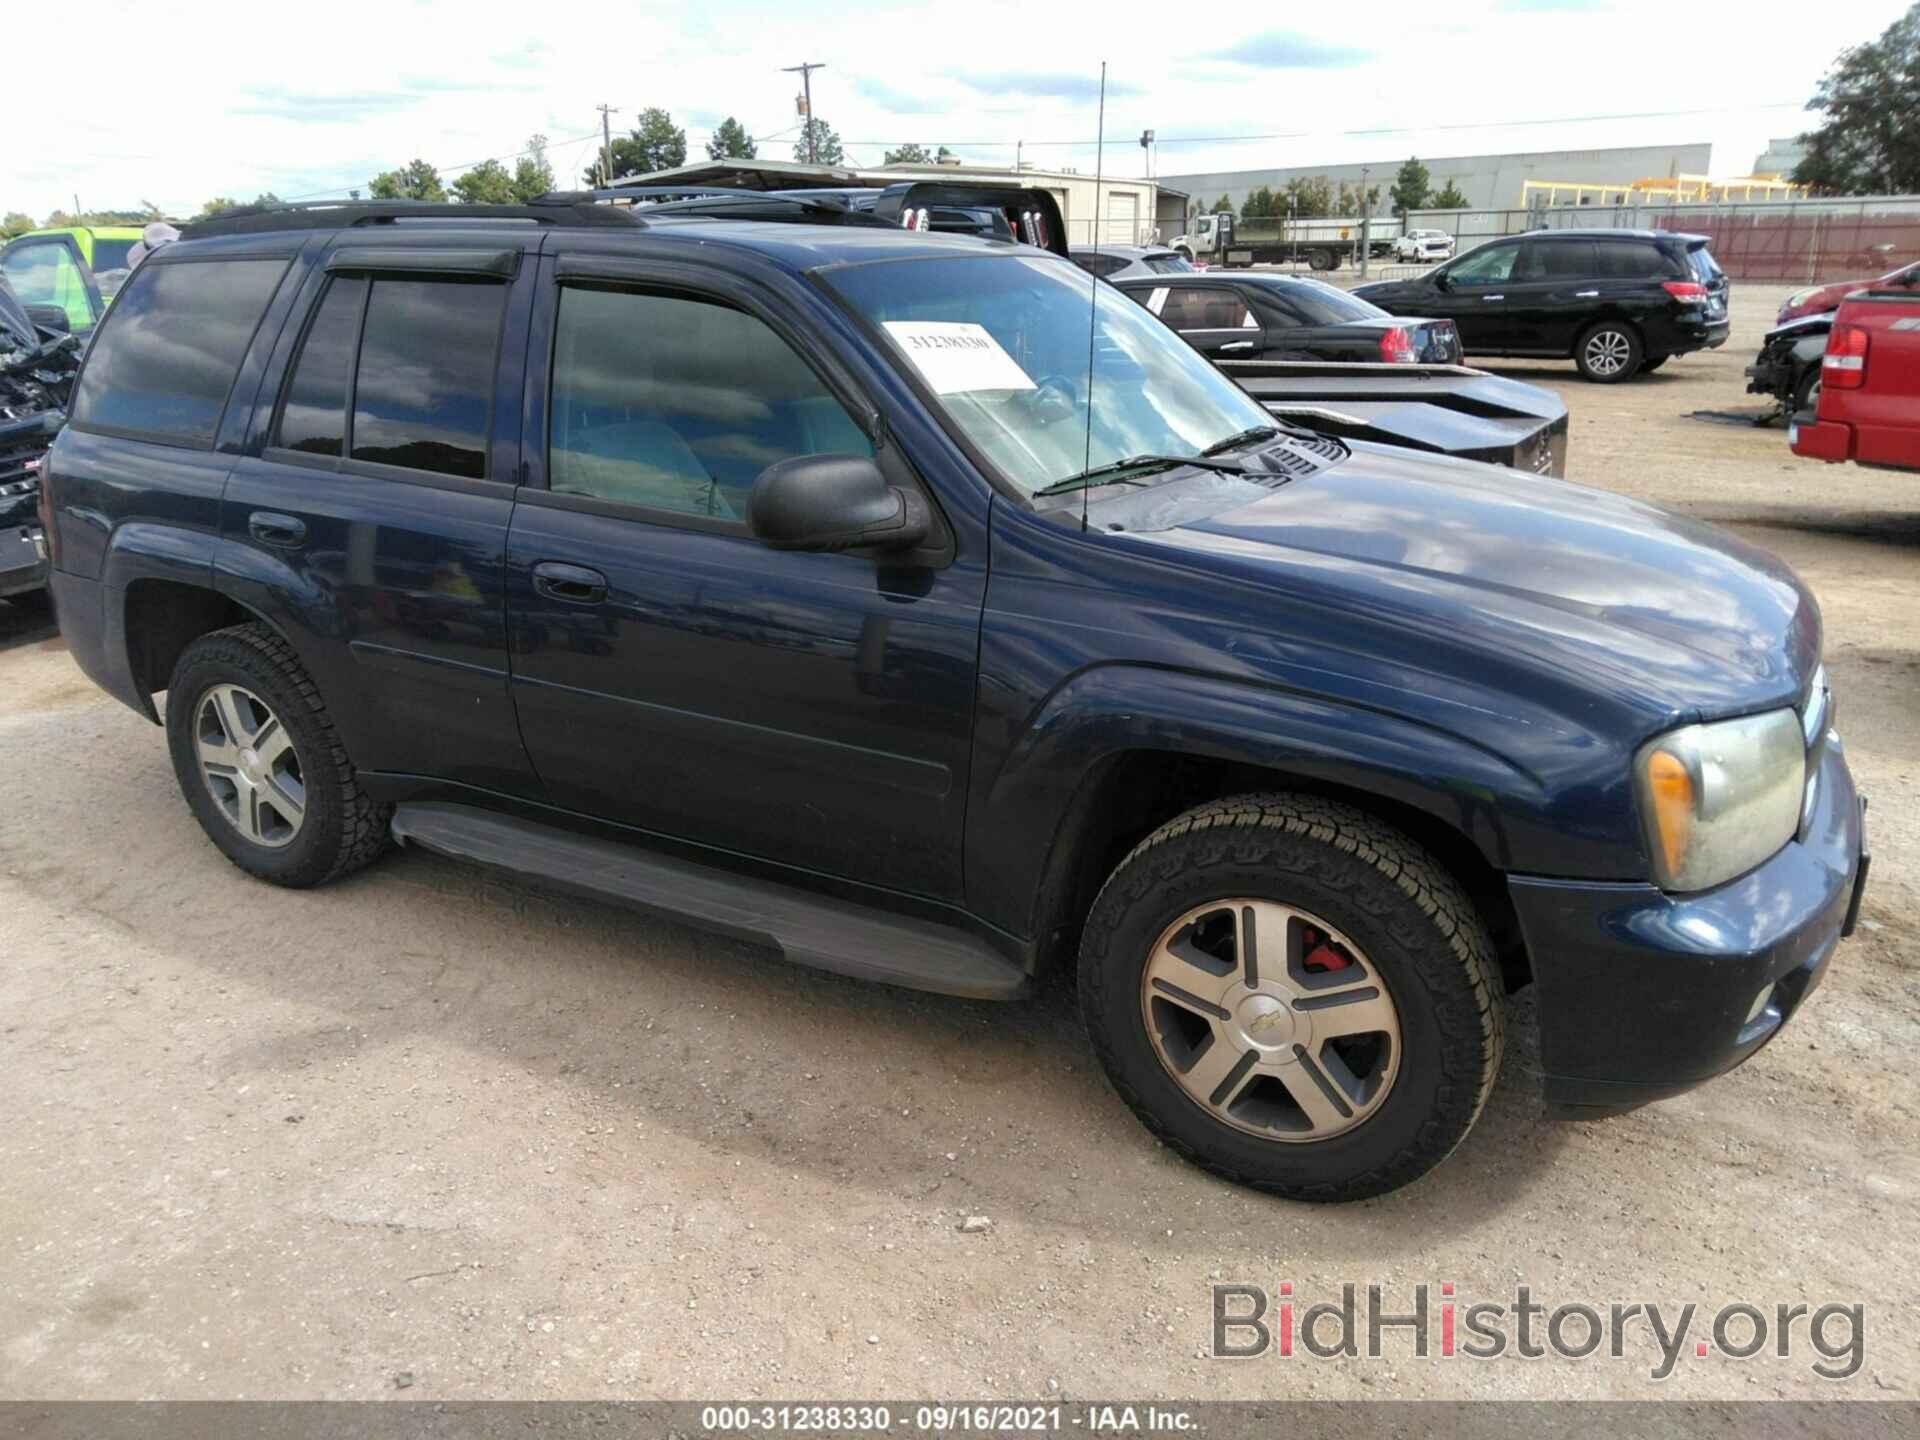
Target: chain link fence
point(1800, 242)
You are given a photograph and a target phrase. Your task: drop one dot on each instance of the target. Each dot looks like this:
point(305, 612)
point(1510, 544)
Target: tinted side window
point(678, 404)
point(421, 398)
point(170, 348)
point(1634, 260)
point(1490, 266)
point(1559, 260)
point(1168, 264)
point(1190, 307)
point(313, 418)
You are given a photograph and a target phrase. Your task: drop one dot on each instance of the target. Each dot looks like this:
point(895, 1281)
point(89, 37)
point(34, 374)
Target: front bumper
point(1643, 994)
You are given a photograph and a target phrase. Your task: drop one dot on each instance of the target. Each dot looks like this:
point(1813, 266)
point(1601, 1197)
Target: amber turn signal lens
point(1673, 805)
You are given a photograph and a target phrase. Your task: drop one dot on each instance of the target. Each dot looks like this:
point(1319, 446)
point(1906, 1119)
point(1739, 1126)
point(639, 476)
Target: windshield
point(1002, 342)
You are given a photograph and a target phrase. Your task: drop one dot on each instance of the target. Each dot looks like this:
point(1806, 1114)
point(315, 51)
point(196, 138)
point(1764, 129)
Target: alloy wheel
point(1271, 1020)
point(250, 766)
point(1607, 352)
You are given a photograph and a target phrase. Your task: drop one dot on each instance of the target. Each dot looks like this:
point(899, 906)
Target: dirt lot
point(427, 1134)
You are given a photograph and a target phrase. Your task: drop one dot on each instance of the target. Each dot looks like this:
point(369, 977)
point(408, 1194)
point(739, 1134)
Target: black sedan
point(1289, 317)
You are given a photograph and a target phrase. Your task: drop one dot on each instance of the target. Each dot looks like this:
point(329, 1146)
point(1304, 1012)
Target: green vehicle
point(76, 267)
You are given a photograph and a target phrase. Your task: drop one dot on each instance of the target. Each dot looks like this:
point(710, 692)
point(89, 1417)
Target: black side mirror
point(834, 502)
point(1440, 280)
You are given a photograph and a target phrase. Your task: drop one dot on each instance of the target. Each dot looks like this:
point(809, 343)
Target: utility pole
point(606, 143)
point(805, 73)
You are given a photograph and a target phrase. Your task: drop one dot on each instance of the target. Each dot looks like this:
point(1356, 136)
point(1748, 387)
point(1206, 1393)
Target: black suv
point(1617, 302)
point(912, 604)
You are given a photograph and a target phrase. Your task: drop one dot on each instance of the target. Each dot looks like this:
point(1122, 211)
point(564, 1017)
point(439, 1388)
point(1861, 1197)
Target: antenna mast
point(1093, 291)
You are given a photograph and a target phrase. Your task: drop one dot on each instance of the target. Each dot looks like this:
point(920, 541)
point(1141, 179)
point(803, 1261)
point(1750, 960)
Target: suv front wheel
point(1608, 352)
point(258, 761)
point(1294, 996)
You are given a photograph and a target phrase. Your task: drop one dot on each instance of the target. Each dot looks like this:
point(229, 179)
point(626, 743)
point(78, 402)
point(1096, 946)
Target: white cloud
point(233, 99)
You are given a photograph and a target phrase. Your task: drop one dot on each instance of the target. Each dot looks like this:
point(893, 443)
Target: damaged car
point(37, 364)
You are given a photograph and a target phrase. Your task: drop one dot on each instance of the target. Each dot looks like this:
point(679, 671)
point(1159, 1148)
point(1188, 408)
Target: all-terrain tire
point(342, 829)
point(1421, 934)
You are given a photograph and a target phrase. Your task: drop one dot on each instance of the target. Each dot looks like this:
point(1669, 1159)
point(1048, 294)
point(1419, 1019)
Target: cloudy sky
point(308, 101)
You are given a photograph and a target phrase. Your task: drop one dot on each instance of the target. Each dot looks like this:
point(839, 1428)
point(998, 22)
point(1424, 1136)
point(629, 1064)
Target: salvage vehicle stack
point(37, 364)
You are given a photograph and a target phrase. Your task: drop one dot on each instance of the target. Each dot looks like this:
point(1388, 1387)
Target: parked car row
point(1788, 365)
point(904, 600)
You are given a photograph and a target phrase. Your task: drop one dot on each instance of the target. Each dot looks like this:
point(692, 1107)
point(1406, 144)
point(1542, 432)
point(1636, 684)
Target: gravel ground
point(429, 1134)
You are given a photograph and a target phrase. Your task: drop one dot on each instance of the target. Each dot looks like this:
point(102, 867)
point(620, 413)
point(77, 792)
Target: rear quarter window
point(166, 357)
point(1638, 260)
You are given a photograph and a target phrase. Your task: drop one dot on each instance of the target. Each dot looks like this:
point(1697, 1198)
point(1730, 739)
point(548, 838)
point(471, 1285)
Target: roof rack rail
point(803, 206)
point(571, 210)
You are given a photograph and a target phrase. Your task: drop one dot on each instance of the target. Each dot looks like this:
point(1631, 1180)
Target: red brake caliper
point(1321, 953)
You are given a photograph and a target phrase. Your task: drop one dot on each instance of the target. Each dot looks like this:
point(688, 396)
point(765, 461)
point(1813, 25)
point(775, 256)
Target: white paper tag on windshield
point(957, 358)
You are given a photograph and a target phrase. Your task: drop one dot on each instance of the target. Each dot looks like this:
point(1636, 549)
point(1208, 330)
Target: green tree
point(532, 174)
point(730, 142)
point(1868, 144)
point(910, 154)
point(1260, 204)
point(417, 181)
point(944, 155)
point(487, 183)
point(1451, 198)
point(1352, 200)
point(827, 149)
point(1223, 206)
point(60, 220)
point(217, 204)
point(656, 143)
point(17, 222)
point(1411, 187)
point(1312, 197)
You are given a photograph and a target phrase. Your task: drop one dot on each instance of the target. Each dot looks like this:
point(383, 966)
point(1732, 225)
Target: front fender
point(1112, 710)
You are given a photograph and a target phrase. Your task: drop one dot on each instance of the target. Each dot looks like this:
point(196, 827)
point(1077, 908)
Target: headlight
point(1718, 799)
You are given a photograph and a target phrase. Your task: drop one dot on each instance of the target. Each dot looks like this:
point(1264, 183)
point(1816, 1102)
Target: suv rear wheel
point(1294, 996)
point(258, 761)
point(1608, 352)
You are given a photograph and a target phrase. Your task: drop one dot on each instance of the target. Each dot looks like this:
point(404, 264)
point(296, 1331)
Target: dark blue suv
point(914, 604)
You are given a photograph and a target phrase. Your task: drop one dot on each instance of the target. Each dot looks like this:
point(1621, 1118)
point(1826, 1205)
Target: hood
point(1623, 602)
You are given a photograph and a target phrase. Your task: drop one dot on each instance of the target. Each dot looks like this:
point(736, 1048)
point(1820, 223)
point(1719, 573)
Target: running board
point(808, 929)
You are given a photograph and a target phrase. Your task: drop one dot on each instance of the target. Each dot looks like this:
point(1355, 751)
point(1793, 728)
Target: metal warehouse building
point(1490, 182)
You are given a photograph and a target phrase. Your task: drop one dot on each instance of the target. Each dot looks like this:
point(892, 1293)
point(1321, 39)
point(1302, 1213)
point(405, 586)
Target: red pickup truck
point(1869, 405)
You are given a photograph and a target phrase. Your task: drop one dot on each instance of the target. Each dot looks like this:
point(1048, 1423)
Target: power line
point(1400, 130)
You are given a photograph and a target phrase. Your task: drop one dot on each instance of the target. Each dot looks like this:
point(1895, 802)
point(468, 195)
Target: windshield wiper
point(1245, 437)
point(1136, 462)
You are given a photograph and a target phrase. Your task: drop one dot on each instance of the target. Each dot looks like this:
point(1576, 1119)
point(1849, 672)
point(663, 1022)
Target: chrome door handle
point(1237, 345)
point(574, 584)
point(1586, 294)
point(1484, 299)
point(285, 532)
